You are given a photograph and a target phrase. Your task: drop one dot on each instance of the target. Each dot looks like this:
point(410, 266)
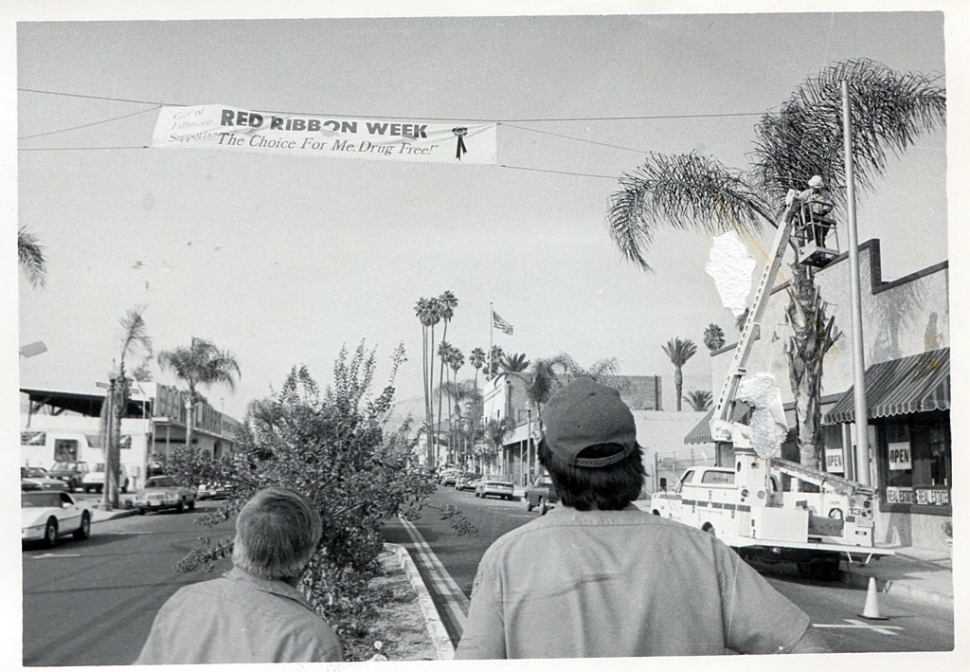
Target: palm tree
point(201, 363)
point(804, 138)
point(477, 359)
point(134, 339)
point(513, 363)
point(447, 303)
point(714, 337)
point(427, 312)
point(30, 253)
point(493, 362)
point(700, 400)
point(679, 352)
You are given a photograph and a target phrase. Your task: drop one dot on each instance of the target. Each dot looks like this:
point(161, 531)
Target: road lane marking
point(454, 601)
point(45, 556)
point(853, 623)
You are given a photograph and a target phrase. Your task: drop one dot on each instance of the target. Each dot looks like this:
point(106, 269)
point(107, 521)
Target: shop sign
point(833, 461)
point(932, 497)
point(900, 496)
point(900, 458)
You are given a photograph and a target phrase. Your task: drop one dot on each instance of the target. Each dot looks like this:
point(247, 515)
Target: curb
point(111, 515)
point(436, 629)
point(897, 588)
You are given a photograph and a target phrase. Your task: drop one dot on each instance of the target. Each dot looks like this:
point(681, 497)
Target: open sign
point(900, 456)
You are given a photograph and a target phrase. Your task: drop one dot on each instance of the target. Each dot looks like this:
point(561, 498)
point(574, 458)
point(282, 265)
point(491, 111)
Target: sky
point(283, 260)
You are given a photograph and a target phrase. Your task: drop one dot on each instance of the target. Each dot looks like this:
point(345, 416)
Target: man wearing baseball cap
point(598, 577)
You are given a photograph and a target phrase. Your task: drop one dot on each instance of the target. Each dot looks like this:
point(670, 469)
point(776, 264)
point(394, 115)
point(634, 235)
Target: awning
point(900, 386)
point(702, 430)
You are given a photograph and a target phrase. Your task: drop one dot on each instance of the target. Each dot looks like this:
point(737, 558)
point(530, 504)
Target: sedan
point(38, 478)
point(45, 516)
point(214, 491)
point(541, 495)
point(467, 481)
point(163, 492)
point(494, 485)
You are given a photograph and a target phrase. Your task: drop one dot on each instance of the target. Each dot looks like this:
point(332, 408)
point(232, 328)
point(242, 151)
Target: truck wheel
point(181, 506)
point(99, 489)
point(543, 509)
point(192, 505)
point(50, 533)
point(124, 488)
point(820, 569)
point(528, 505)
point(84, 531)
point(655, 512)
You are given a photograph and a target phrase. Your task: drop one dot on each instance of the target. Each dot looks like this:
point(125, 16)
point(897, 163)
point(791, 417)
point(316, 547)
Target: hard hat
point(816, 181)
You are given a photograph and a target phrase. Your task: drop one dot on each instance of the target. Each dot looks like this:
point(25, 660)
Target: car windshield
point(39, 500)
point(160, 483)
point(63, 466)
point(34, 472)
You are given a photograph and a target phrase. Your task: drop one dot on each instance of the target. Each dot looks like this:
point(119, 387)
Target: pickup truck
point(541, 495)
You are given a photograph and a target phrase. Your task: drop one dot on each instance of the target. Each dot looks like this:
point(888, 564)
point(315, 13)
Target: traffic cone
point(871, 610)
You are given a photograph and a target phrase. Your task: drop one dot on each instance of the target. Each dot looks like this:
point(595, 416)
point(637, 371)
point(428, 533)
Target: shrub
point(332, 447)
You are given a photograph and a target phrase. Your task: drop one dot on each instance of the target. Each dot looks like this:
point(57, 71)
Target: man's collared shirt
point(239, 618)
point(584, 584)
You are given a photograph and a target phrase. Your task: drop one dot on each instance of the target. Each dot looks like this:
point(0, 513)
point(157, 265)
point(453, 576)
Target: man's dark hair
point(609, 488)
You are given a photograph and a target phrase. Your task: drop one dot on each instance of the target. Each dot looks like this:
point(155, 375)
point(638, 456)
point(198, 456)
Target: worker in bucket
point(597, 577)
point(816, 206)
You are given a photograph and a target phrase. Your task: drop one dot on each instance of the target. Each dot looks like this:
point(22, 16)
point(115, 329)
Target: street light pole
point(855, 293)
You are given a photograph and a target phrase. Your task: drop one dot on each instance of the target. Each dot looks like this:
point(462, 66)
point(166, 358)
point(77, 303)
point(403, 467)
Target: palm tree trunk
point(678, 385)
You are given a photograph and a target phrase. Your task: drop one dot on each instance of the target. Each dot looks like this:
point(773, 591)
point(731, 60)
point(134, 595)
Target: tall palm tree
point(513, 363)
point(700, 400)
point(30, 254)
point(494, 362)
point(201, 363)
point(888, 111)
point(477, 359)
point(679, 352)
point(426, 311)
point(447, 303)
point(134, 339)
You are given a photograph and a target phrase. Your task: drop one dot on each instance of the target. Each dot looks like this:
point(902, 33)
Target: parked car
point(94, 479)
point(498, 486)
point(38, 478)
point(214, 490)
point(45, 516)
point(467, 481)
point(541, 495)
point(448, 477)
point(163, 492)
point(70, 472)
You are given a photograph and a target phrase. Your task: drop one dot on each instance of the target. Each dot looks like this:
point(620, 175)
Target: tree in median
point(679, 352)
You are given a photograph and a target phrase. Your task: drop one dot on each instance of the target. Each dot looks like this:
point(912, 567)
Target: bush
point(331, 447)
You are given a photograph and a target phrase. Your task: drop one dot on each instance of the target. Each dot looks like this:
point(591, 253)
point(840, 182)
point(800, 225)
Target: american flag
point(501, 324)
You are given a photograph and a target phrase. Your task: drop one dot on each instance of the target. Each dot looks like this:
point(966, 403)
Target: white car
point(94, 479)
point(37, 478)
point(164, 492)
point(499, 486)
point(45, 516)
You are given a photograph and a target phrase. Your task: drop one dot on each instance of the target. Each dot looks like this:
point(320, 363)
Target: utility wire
point(570, 137)
point(445, 119)
point(93, 123)
point(558, 172)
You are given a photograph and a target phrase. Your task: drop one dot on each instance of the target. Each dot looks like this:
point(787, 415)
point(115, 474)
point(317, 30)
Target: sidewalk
point(914, 573)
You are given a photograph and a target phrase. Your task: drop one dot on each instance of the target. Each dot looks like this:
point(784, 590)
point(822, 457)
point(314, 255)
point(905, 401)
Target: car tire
point(84, 531)
point(181, 507)
point(141, 512)
point(50, 533)
point(542, 507)
point(99, 489)
point(124, 488)
point(528, 505)
point(192, 505)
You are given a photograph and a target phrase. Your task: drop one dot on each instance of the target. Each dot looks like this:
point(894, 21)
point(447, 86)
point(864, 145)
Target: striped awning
point(900, 386)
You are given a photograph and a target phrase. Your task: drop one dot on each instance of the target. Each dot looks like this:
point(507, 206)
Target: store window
point(916, 464)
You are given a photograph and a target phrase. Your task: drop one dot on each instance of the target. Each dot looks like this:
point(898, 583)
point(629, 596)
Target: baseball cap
point(584, 414)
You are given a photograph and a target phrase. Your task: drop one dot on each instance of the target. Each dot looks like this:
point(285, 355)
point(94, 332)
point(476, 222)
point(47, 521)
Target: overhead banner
point(241, 130)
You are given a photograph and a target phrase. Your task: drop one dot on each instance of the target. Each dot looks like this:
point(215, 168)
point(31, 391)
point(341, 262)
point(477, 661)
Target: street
point(92, 602)
point(833, 607)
